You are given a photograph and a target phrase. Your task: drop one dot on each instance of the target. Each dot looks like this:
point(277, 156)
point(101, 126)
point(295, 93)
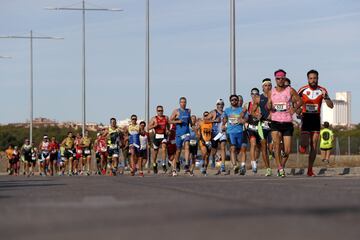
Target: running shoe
point(268, 172)
point(302, 149)
point(191, 173)
point(178, 166)
point(141, 174)
point(254, 166)
point(281, 173)
point(155, 168)
point(236, 170)
point(164, 168)
point(174, 173)
point(213, 164)
point(242, 170)
point(310, 173)
point(113, 171)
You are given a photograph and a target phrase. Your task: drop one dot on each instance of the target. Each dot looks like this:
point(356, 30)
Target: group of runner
point(265, 124)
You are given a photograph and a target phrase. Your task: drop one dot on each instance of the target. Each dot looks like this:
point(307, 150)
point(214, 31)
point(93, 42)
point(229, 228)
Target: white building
point(340, 115)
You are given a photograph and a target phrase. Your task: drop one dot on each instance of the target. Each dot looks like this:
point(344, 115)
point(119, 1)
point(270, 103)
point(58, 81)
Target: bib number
point(193, 142)
point(311, 108)
point(280, 107)
point(159, 136)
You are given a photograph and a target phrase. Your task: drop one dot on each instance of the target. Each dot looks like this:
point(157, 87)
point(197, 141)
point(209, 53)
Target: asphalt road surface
point(162, 207)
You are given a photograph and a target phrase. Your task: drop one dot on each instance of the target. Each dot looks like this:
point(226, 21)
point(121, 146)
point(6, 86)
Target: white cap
point(220, 101)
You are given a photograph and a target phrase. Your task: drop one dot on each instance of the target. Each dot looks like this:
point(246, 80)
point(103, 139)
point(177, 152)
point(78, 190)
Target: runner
point(181, 117)
point(68, 145)
point(53, 148)
point(245, 140)
point(326, 142)
point(194, 139)
point(171, 145)
point(9, 154)
point(86, 158)
point(205, 133)
point(218, 135)
point(234, 120)
point(283, 102)
point(114, 142)
point(44, 155)
point(26, 152)
point(312, 96)
point(16, 161)
point(160, 124)
point(134, 143)
point(144, 142)
point(100, 148)
point(259, 124)
point(77, 169)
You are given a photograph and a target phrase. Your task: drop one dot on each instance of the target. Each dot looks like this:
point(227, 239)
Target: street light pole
point(147, 69)
point(31, 107)
point(232, 48)
point(83, 8)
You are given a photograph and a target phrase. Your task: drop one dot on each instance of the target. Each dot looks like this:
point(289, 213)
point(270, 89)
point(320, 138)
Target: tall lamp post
point(83, 9)
point(31, 37)
point(232, 48)
point(147, 69)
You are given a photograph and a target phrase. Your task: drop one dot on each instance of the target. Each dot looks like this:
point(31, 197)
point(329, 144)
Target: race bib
point(311, 108)
point(159, 136)
point(280, 107)
point(193, 142)
point(173, 141)
point(233, 120)
point(265, 125)
point(218, 136)
point(185, 136)
point(87, 151)
point(79, 151)
point(253, 127)
point(113, 146)
point(103, 149)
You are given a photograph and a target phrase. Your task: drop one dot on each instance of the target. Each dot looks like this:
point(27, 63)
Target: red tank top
point(162, 123)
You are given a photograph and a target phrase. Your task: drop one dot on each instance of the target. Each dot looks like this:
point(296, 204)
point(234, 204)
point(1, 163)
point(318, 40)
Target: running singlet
point(143, 139)
point(27, 149)
point(45, 146)
point(78, 147)
point(205, 129)
point(134, 135)
point(193, 138)
point(216, 126)
point(101, 145)
point(312, 99)
point(281, 105)
point(113, 137)
point(53, 147)
point(69, 143)
point(263, 106)
point(86, 142)
point(233, 125)
point(183, 128)
point(161, 125)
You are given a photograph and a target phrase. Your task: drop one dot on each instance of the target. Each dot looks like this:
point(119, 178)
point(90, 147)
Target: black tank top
point(263, 106)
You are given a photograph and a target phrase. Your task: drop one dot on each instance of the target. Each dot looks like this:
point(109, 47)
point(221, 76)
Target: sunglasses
point(134, 119)
point(280, 78)
point(254, 93)
point(159, 110)
point(234, 99)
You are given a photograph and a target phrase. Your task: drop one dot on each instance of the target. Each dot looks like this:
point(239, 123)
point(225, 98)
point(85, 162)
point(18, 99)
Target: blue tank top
point(263, 107)
point(183, 128)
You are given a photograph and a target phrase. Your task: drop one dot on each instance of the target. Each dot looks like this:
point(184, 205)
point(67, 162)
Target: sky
point(189, 54)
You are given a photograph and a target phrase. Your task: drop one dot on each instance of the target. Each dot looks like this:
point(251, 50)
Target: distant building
point(340, 115)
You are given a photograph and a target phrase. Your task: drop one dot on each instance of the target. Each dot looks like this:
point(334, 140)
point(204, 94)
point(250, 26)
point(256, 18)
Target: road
point(162, 207)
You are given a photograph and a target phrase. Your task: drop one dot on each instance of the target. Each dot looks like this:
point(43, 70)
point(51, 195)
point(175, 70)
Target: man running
point(78, 156)
point(134, 143)
point(144, 146)
point(181, 117)
point(53, 148)
point(312, 96)
point(283, 102)
point(260, 128)
point(44, 155)
point(205, 133)
point(114, 142)
point(26, 151)
point(160, 124)
point(194, 139)
point(218, 136)
point(100, 148)
point(86, 158)
point(234, 120)
point(68, 145)
point(171, 145)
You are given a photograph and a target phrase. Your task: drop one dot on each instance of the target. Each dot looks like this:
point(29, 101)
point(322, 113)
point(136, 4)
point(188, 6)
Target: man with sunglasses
point(181, 117)
point(234, 120)
point(283, 101)
point(217, 134)
point(160, 124)
point(312, 96)
point(113, 135)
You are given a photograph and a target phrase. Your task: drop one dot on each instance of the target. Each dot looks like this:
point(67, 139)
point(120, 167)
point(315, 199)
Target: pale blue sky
point(189, 53)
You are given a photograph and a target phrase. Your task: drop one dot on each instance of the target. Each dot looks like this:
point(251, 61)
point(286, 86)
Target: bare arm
point(174, 116)
point(296, 99)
